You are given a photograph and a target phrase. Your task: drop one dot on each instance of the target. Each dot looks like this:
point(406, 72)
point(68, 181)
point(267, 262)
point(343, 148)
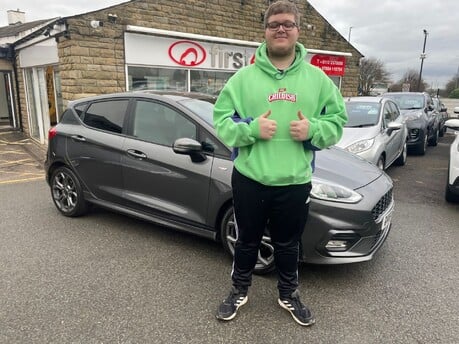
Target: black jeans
point(284, 209)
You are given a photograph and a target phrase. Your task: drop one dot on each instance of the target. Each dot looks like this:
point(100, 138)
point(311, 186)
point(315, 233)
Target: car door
point(94, 149)
point(399, 135)
point(392, 137)
point(431, 115)
point(157, 180)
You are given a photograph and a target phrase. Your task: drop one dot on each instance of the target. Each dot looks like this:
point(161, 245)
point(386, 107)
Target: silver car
point(375, 131)
point(156, 157)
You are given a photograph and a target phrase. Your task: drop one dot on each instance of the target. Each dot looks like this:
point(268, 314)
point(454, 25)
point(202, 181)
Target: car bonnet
point(340, 167)
point(352, 135)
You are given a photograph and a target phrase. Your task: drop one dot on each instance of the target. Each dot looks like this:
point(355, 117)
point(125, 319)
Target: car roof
point(415, 93)
point(366, 99)
point(174, 95)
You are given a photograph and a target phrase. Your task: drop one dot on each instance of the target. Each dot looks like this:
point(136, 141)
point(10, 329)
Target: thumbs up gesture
point(299, 129)
point(267, 126)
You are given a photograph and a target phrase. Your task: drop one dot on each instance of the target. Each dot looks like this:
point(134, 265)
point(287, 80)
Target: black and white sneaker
point(300, 313)
point(228, 308)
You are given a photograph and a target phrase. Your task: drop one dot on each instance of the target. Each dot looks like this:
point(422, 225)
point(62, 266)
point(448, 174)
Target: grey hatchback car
point(156, 157)
point(375, 131)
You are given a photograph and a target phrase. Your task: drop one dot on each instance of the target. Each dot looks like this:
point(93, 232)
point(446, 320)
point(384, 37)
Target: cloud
point(392, 31)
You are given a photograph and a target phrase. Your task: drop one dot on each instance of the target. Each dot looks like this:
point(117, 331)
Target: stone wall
point(92, 59)
point(21, 103)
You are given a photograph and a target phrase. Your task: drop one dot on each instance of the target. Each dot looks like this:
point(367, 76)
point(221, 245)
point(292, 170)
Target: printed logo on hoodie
point(282, 95)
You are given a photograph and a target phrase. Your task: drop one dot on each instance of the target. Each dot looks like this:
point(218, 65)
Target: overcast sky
point(390, 30)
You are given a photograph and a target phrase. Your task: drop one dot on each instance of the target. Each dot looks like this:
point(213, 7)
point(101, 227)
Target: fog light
point(337, 245)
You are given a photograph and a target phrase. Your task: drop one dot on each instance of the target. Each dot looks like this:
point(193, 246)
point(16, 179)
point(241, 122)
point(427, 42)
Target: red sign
point(330, 64)
point(187, 53)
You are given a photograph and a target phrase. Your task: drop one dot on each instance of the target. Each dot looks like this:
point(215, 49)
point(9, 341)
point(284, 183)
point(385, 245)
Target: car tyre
point(67, 192)
point(265, 262)
point(381, 162)
point(421, 148)
point(434, 140)
point(442, 131)
point(401, 160)
point(449, 195)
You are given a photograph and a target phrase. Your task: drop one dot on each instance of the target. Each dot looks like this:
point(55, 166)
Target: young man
point(274, 113)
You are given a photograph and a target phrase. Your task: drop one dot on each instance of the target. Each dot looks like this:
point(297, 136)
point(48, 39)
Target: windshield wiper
point(360, 125)
point(411, 108)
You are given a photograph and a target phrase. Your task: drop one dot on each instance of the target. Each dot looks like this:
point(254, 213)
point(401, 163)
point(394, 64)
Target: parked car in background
point(452, 183)
point(375, 131)
point(442, 111)
point(156, 157)
point(421, 119)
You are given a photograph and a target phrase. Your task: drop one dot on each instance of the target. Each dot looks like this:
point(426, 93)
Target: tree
point(410, 78)
point(452, 84)
point(454, 94)
point(372, 71)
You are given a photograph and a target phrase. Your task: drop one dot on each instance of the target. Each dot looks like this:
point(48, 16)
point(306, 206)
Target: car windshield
point(362, 114)
point(407, 101)
point(202, 108)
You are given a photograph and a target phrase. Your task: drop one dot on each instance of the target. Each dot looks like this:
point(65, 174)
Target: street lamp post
point(457, 77)
point(349, 34)
point(423, 56)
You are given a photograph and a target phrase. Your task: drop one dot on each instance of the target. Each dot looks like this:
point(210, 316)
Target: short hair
point(282, 6)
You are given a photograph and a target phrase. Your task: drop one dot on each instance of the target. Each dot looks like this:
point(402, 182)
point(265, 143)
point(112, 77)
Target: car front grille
point(382, 205)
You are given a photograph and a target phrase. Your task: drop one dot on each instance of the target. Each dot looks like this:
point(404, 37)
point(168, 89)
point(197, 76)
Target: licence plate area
point(386, 219)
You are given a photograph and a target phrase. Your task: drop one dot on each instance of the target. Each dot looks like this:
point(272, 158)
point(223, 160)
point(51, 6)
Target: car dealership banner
point(150, 50)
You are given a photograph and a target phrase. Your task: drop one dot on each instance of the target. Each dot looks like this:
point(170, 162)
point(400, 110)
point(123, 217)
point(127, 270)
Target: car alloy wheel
point(228, 236)
point(67, 193)
point(401, 160)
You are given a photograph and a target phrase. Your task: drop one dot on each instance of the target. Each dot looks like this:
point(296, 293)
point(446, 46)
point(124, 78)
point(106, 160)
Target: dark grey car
point(156, 157)
point(421, 118)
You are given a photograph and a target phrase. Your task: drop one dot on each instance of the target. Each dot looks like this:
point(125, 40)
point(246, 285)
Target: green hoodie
point(260, 87)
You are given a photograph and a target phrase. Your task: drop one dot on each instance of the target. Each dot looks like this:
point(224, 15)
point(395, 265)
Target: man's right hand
point(267, 126)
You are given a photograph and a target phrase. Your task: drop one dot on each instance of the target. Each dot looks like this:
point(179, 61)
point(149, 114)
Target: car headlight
point(360, 146)
point(334, 193)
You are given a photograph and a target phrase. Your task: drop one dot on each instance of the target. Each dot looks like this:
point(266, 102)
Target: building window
point(152, 78)
point(180, 79)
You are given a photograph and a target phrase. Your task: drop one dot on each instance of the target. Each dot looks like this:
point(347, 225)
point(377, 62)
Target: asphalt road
point(107, 278)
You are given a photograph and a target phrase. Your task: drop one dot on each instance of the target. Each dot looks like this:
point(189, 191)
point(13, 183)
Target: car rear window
point(107, 115)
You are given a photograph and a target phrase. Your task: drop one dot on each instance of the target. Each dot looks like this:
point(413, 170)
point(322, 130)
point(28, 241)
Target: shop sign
point(330, 64)
point(187, 53)
point(171, 52)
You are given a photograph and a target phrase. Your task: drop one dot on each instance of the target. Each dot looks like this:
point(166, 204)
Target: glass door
point(7, 113)
point(43, 104)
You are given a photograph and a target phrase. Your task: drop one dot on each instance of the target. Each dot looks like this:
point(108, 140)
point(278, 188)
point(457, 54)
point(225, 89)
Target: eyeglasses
point(288, 26)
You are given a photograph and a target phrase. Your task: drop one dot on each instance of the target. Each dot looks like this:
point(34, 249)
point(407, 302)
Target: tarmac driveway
point(21, 159)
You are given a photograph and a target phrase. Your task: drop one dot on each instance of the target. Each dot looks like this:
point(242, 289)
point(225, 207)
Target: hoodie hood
point(262, 61)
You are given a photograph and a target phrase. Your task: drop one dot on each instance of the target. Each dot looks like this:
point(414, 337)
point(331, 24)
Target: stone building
point(156, 44)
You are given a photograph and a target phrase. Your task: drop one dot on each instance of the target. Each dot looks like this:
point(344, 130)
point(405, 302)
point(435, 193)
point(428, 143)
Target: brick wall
point(92, 60)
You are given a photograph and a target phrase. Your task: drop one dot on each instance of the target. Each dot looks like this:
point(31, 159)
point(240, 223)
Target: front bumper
point(362, 228)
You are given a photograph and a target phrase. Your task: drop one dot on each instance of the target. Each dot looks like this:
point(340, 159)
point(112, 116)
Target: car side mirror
point(393, 126)
point(187, 146)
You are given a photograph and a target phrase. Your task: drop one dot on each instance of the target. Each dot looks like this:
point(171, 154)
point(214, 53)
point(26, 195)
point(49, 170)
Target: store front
point(166, 60)
point(8, 116)
point(42, 87)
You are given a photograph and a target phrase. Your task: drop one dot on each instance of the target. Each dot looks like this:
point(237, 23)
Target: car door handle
point(78, 138)
point(136, 154)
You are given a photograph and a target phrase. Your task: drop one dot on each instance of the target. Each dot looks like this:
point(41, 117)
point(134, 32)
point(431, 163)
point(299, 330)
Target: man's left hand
point(299, 129)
